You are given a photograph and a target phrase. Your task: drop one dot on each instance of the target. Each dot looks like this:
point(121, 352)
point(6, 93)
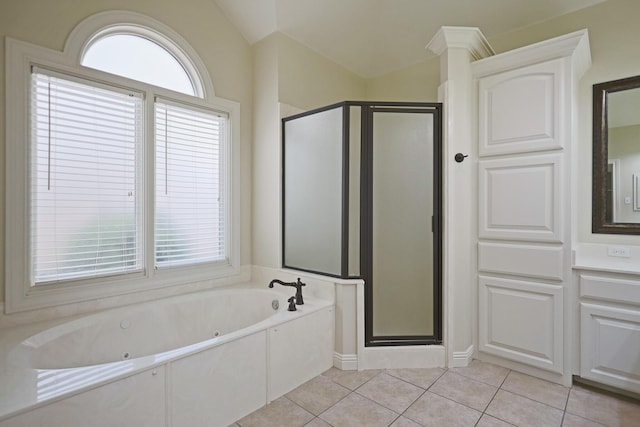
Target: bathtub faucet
point(298, 285)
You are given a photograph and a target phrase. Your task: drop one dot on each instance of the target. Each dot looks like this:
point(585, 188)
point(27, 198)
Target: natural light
point(140, 59)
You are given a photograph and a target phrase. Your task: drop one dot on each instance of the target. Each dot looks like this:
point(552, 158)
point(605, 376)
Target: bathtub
point(207, 358)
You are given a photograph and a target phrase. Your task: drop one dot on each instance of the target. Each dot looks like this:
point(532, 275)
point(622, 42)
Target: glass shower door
point(404, 282)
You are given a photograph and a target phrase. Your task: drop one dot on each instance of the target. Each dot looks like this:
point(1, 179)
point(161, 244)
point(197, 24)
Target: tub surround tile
point(390, 392)
point(489, 421)
point(603, 408)
point(280, 413)
point(350, 379)
point(358, 411)
point(431, 410)
point(536, 389)
point(421, 377)
point(464, 390)
point(484, 372)
point(523, 412)
point(571, 420)
point(317, 394)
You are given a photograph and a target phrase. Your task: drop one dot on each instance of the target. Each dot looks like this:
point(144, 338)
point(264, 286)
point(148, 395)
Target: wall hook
point(460, 157)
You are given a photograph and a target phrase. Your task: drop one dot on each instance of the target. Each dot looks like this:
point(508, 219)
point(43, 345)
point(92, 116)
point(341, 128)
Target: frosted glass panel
point(402, 215)
point(313, 192)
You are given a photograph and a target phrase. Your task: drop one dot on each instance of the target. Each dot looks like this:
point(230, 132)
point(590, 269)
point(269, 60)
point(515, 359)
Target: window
point(85, 149)
point(140, 59)
point(122, 175)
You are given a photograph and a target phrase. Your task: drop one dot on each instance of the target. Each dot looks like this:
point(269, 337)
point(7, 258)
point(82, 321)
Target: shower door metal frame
point(366, 209)
point(366, 221)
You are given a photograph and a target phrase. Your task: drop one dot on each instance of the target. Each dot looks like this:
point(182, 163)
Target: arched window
point(130, 175)
point(139, 58)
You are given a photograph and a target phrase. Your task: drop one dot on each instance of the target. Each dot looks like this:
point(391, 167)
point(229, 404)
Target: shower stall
point(362, 199)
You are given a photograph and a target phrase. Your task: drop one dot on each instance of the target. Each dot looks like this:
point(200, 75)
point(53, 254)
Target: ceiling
point(375, 37)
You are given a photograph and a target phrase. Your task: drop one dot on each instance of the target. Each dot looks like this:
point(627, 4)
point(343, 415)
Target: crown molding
point(469, 38)
point(574, 45)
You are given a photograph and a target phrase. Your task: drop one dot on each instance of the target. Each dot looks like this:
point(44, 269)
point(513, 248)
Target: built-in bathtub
point(206, 358)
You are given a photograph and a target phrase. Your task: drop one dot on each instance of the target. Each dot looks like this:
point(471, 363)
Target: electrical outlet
point(618, 251)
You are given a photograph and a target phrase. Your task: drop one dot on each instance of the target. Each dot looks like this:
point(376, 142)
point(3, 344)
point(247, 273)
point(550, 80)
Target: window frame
point(20, 58)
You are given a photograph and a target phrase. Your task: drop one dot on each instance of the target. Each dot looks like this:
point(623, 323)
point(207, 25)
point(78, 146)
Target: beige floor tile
point(489, 421)
point(523, 412)
point(432, 410)
point(358, 411)
point(483, 372)
point(422, 377)
point(464, 390)
point(317, 422)
point(350, 379)
point(390, 392)
point(405, 422)
point(542, 391)
point(280, 413)
point(603, 408)
point(571, 420)
point(317, 394)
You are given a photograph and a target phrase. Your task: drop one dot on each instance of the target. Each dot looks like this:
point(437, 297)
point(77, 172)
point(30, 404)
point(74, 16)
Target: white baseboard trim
point(345, 362)
point(461, 359)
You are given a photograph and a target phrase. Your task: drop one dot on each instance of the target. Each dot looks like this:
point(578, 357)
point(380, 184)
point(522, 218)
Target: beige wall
point(221, 47)
point(418, 83)
point(287, 77)
point(309, 80)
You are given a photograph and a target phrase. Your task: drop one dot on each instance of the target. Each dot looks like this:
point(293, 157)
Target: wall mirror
point(616, 156)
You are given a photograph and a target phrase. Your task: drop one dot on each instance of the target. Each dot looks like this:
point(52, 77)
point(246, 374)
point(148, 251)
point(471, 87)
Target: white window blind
point(85, 213)
point(190, 213)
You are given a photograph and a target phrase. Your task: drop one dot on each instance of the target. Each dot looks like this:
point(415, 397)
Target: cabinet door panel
point(610, 341)
point(521, 321)
point(521, 199)
point(521, 110)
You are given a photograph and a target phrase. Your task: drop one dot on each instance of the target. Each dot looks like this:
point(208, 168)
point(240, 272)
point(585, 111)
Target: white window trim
point(20, 57)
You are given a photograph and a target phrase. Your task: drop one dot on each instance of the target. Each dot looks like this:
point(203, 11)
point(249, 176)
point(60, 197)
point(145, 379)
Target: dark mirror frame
point(601, 158)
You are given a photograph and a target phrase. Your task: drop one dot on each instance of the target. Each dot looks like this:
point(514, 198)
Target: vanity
point(609, 319)
point(607, 276)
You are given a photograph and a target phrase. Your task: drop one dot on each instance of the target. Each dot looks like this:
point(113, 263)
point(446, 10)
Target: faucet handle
point(292, 304)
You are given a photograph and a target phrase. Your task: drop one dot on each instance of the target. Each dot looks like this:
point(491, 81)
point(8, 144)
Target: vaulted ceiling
point(375, 37)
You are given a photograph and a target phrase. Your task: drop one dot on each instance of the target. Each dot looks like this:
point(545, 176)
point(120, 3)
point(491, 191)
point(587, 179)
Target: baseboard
point(461, 359)
point(345, 362)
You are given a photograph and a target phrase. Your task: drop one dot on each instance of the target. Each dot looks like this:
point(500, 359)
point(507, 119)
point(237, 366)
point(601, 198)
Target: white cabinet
point(610, 329)
point(525, 135)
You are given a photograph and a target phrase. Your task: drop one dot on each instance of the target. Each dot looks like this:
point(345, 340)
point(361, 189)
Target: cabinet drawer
point(610, 289)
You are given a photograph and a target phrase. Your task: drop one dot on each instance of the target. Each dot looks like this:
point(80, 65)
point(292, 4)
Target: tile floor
point(482, 395)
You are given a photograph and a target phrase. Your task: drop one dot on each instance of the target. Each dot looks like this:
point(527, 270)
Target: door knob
point(460, 157)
